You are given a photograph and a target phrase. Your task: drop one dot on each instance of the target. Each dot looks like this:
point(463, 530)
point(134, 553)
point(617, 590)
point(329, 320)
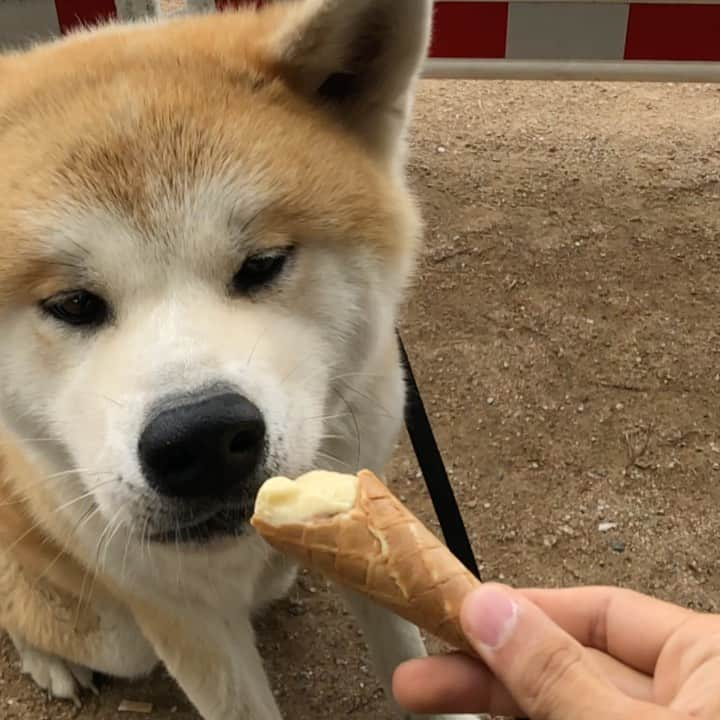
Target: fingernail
point(489, 617)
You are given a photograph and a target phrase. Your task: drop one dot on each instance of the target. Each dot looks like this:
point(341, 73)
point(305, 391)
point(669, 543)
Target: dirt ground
point(565, 331)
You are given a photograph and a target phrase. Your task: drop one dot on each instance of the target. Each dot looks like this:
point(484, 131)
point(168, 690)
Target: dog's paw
point(61, 678)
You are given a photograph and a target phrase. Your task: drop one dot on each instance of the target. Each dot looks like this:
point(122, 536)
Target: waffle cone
point(381, 549)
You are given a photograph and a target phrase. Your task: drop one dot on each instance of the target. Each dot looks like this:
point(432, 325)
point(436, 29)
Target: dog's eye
point(77, 308)
point(261, 270)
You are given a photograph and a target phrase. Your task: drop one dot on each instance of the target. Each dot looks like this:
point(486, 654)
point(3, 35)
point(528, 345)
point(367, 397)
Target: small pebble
point(131, 706)
point(618, 546)
point(607, 526)
point(297, 609)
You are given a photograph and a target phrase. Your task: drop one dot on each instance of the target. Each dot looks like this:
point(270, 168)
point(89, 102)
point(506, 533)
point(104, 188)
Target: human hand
point(571, 655)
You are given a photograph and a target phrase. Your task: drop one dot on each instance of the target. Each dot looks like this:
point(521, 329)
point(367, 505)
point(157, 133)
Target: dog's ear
point(359, 59)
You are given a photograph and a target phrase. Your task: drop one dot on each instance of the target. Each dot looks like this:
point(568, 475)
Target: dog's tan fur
point(141, 161)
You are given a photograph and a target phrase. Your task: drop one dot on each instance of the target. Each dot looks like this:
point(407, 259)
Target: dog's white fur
point(112, 198)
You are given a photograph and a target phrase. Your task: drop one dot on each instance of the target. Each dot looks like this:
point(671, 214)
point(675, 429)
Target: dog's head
point(203, 224)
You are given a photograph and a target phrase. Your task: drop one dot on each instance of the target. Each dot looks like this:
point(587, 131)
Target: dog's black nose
point(203, 448)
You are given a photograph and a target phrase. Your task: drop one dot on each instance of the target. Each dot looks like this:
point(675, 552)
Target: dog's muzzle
point(203, 455)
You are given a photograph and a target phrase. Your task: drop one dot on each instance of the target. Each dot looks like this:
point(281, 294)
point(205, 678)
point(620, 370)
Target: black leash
point(433, 470)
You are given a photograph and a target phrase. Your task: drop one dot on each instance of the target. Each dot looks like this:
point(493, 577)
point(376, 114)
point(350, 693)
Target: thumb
point(544, 669)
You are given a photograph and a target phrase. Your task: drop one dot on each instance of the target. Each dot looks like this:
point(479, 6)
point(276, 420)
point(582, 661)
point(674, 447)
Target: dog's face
point(198, 240)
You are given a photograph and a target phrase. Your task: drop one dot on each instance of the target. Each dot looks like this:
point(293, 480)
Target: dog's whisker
point(255, 346)
point(322, 369)
point(334, 459)
point(81, 598)
point(111, 537)
point(178, 555)
point(294, 369)
point(84, 495)
point(20, 501)
point(56, 263)
point(374, 401)
point(319, 370)
point(84, 518)
point(355, 423)
point(23, 496)
point(255, 216)
point(343, 376)
point(128, 540)
point(304, 358)
point(144, 539)
point(101, 541)
point(65, 473)
point(103, 545)
point(110, 400)
point(84, 252)
point(22, 536)
point(325, 417)
point(332, 436)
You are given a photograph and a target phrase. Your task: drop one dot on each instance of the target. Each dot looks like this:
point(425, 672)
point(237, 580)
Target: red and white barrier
point(566, 39)
point(25, 20)
point(533, 39)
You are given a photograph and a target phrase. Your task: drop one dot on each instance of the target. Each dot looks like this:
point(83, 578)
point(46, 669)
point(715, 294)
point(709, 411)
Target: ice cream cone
point(379, 548)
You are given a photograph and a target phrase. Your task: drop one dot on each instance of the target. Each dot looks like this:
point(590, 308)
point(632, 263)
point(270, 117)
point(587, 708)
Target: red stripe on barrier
point(469, 30)
point(681, 32)
point(72, 13)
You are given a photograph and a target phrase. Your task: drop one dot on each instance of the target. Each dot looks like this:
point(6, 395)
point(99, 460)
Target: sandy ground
point(564, 328)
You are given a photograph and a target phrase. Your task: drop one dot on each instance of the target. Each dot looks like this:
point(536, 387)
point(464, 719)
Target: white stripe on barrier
point(555, 30)
point(611, 70)
point(23, 20)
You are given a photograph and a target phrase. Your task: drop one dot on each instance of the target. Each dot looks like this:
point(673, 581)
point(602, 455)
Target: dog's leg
point(59, 637)
point(390, 639)
point(61, 678)
point(215, 662)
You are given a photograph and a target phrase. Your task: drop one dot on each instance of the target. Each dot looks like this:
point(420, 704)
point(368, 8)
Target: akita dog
point(205, 234)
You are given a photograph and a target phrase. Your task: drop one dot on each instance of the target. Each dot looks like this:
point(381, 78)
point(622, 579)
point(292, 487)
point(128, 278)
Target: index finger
point(626, 625)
